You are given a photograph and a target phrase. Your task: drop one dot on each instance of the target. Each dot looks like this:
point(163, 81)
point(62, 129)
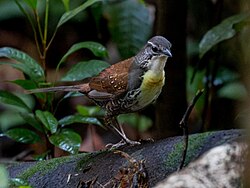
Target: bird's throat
point(157, 63)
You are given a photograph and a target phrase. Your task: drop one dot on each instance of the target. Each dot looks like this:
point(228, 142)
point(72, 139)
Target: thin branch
point(184, 125)
point(38, 24)
point(46, 24)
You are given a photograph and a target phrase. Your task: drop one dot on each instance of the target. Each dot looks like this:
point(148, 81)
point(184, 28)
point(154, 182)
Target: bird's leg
point(112, 124)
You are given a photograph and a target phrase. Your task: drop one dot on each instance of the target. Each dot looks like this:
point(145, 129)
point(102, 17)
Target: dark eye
point(154, 49)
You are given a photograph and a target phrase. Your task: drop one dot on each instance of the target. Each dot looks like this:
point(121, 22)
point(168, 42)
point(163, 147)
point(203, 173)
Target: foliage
point(40, 124)
point(130, 25)
point(223, 31)
point(219, 81)
point(140, 122)
point(42, 121)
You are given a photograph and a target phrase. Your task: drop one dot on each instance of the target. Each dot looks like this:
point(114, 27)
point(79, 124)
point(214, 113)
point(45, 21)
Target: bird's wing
point(112, 81)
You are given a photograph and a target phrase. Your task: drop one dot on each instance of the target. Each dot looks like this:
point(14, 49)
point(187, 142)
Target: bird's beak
point(167, 53)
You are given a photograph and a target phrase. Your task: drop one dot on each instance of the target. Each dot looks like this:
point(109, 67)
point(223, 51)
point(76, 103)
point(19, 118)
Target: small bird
point(127, 86)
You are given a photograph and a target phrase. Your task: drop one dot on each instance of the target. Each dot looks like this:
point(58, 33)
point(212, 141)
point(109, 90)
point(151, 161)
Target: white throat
point(157, 63)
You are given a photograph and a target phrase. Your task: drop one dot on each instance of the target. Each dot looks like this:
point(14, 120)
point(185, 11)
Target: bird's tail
point(84, 88)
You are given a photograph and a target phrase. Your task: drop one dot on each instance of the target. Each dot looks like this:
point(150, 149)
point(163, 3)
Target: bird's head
point(159, 46)
point(155, 53)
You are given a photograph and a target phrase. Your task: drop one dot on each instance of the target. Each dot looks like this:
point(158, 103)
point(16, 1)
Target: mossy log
point(160, 158)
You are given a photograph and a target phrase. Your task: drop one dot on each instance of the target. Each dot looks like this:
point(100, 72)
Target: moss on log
point(161, 158)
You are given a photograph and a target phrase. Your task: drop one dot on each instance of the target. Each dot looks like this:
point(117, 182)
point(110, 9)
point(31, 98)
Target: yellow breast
point(150, 88)
point(153, 81)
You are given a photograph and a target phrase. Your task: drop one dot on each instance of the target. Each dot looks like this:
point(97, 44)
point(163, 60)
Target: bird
point(127, 86)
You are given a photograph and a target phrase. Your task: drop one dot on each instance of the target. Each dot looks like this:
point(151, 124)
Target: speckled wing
point(111, 82)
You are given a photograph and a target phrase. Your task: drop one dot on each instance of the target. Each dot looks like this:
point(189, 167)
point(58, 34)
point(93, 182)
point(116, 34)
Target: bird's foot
point(122, 143)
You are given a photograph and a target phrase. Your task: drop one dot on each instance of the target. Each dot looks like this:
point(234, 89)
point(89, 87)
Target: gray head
point(159, 46)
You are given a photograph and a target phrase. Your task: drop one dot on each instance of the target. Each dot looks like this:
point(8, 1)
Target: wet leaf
point(70, 14)
point(48, 120)
point(79, 119)
point(25, 63)
point(96, 48)
point(85, 69)
point(31, 120)
point(11, 99)
point(67, 140)
point(23, 135)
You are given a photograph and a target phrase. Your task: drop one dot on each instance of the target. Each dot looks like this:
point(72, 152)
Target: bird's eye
point(154, 49)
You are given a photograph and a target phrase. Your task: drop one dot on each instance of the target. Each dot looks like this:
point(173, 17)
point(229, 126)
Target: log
point(107, 168)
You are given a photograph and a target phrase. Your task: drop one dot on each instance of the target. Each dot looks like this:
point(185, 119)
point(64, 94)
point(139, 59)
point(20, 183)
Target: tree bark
point(171, 105)
point(104, 168)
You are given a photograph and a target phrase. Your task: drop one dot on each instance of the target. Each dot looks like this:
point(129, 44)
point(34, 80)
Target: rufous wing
point(112, 81)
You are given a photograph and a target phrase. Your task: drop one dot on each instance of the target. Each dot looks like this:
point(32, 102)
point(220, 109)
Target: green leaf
point(72, 94)
point(20, 183)
point(48, 120)
point(28, 85)
point(67, 140)
point(6, 116)
point(223, 31)
point(31, 3)
point(11, 99)
point(130, 25)
point(84, 69)
point(25, 63)
point(28, 15)
point(70, 14)
point(41, 156)
point(4, 177)
point(139, 122)
point(234, 91)
point(25, 84)
point(90, 110)
point(96, 48)
point(78, 119)
point(66, 4)
point(23, 135)
point(31, 120)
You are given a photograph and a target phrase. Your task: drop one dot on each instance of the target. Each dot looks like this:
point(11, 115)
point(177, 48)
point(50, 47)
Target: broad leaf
point(6, 116)
point(84, 69)
point(25, 84)
point(66, 4)
point(78, 119)
point(22, 135)
point(24, 63)
point(31, 120)
point(67, 140)
point(70, 14)
point(90, 110)
point(11, 99)
point(223, 31)
point(130, 25)
point(48, 120)
point(28, 85)
point(96, 48)
point(31, 3)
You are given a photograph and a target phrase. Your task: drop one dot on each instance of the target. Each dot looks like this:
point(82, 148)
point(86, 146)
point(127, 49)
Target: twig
point(184, 125)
